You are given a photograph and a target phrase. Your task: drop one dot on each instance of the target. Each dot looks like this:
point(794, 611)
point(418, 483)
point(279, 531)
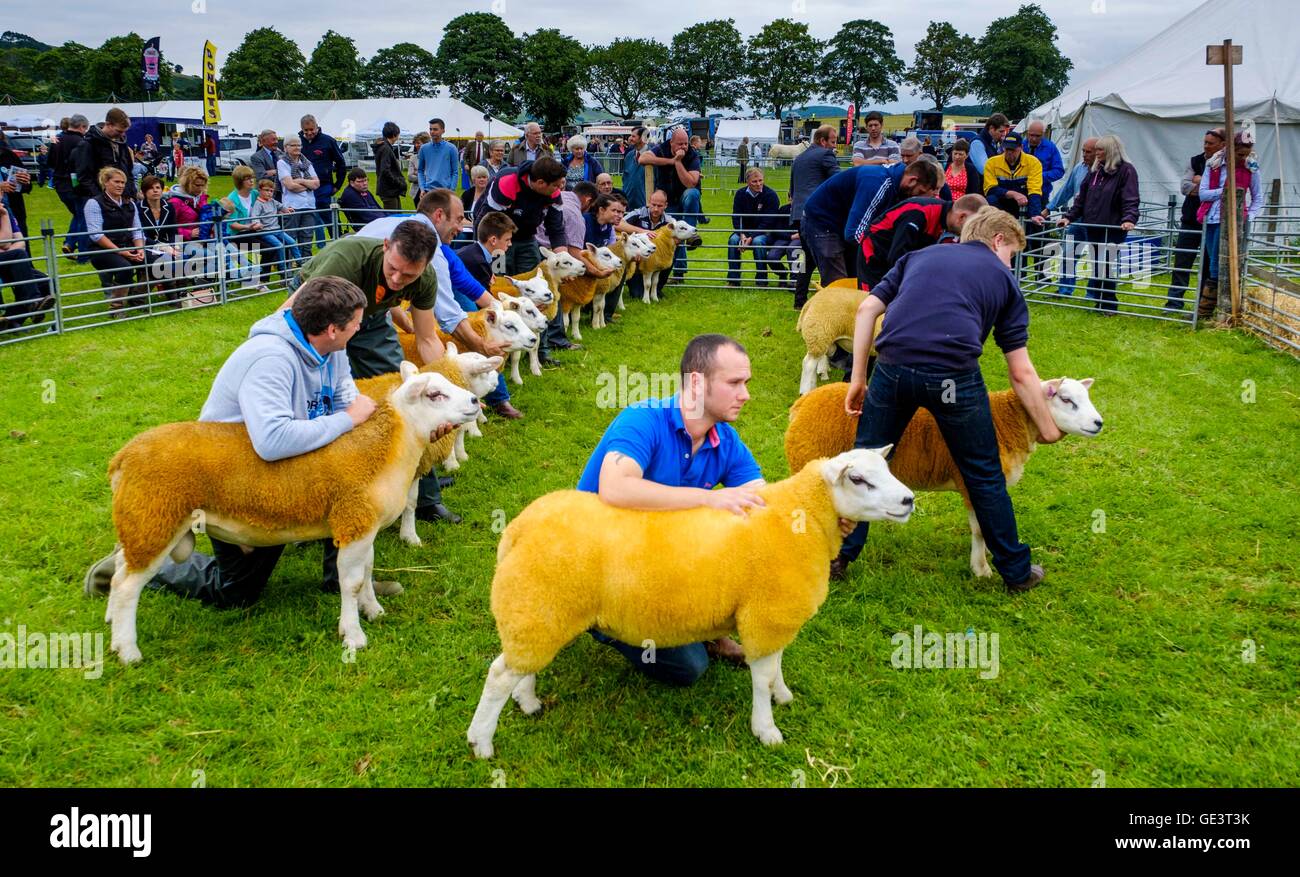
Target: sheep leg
point(124, 598)
point(407, 531)
point(501, 681)
point(763, 672)
point(575, 318)
point(472, 428)
point(514, 366)
point(780, 692)
point(525, 694)
point(353, 561)
point(654, 284)
point(367, 600)
point(647, 284)
point(824, 366)
point(451, 464)
point(808, 379)
point(621, 306)
point(459, 445)
point(534, 361)
point(598, 312)
point(979, 561)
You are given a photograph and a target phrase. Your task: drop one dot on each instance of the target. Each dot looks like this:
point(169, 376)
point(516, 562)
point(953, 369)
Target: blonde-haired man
point(940, 304)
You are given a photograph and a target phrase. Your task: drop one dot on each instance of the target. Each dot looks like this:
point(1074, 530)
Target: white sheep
point(827, 321)
point(676, 577)
point(638, 247)
point(666, 239)
point(787, 151)
point(180, 475)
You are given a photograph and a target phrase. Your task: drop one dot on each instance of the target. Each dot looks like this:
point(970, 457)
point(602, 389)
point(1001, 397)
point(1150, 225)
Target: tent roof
point(344, 119)
point(1167, 76)
point(754, 129)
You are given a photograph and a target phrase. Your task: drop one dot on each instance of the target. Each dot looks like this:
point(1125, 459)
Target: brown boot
point(1209, 299)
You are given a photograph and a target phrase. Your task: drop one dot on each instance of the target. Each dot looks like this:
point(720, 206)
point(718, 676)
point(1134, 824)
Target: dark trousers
point(28, 286)
point(117, 274)
point(680, 665)
point(393, 203)
point(744, 166)
point(76, 239)
point(229, 579)
point(804, 277)
point(959, 402)
point(1105, 241)
point(1185, 250)
point(834, 256)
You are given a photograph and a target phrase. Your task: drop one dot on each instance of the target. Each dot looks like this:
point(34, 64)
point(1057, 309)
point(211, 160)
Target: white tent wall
point(763, 133)
point(343, 119)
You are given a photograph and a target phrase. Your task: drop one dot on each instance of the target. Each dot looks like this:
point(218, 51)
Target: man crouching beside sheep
point(291, 386)
point(940, 304)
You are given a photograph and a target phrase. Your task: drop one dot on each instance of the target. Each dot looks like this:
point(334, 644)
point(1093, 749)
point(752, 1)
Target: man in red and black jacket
point(911, 225)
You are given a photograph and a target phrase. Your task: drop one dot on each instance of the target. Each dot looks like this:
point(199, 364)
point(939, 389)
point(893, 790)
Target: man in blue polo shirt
point(665, 454)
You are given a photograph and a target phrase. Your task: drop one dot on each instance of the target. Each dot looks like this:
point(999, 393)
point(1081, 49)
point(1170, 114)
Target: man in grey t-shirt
point(877, 148)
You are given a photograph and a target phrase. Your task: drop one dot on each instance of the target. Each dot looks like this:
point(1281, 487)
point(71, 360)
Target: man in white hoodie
point(291, 385)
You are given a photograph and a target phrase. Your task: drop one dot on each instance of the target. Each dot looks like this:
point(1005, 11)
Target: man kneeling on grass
point(664, 454)
point(940, 303)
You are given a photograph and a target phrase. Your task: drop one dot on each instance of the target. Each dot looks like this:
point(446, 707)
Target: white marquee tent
point(762, 133)
point(1158, 98)
point(344, 119)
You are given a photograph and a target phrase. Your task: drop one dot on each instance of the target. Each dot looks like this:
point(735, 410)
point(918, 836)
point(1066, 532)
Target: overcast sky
point(1092, 33)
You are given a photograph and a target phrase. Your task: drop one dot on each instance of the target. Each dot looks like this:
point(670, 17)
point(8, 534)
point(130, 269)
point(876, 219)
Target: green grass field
point(1170, 543)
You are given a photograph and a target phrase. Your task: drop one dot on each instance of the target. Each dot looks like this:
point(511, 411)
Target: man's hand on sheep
point(444, 429)
point(737, 500)
point(847, 527)
point(361, 409)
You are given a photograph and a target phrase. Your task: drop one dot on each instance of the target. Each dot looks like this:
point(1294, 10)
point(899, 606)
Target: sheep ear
point(1087, 382)
point(884, 452)
point(516, 283)
point(492, 363)
point(407, 369)
point(546, 254)
point(490, 316)
point(590, 248)
point(1053, 387)
point(833, 469)
point(451, 348)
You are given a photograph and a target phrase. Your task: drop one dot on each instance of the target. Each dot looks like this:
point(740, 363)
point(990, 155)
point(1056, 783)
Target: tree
point(555, 69)
point(405, 70)
point(626, 76)
point(477, 57)
point(335, 71)
point(16, 65)
point(942, 69)
point(780, 64)
point(61, 71)
point(1019, 65)
point(703, 74)
point(115, 68)
point(264, 65)
point(861, 64)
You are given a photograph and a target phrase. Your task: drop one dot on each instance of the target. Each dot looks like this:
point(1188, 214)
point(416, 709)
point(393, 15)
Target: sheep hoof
point(770, 736)
point(129, 653)
point(482, 748)
point(536, 370)
point(982, 571)
point(412, 539)
point(530, 704)
point(782, 695)
point(354, 640)
point(451, 464)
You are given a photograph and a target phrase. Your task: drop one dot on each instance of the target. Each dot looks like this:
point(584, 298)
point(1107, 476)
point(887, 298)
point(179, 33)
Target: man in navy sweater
point(752, 211)
point(331, 167)
point(940, 303)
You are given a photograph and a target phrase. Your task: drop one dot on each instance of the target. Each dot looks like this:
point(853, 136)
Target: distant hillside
point(13, 40)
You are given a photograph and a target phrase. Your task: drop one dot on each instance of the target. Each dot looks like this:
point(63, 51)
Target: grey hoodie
point(272, 383)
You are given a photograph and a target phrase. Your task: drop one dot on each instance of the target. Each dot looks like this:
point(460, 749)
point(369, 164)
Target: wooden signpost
point(1228, 55)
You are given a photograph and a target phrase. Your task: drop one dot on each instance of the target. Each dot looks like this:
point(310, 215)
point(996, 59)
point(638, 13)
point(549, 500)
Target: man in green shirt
point(388, 272)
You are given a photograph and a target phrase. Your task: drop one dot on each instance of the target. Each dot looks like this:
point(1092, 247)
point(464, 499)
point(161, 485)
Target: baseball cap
point(1011, 141)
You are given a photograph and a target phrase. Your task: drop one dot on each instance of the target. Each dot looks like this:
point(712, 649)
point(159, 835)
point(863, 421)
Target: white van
point(236, 150)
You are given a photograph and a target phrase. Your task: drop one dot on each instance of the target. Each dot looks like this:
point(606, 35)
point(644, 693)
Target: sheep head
point(1071, 407)
point(639, 246)
point(509, 327)
point(535, 289)
point(863, 489)
point(563, 265)
point(533, 318)
point(429, 401)
point(479, 371)
point(606, 258)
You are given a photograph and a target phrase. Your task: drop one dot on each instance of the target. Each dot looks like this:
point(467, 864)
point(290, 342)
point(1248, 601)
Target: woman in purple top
point(1107, 204)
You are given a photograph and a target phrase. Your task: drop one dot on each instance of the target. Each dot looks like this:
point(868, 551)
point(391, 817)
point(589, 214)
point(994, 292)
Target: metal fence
point(1270, 295)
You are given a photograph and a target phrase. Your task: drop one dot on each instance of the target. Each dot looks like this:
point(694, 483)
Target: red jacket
point(907, 226)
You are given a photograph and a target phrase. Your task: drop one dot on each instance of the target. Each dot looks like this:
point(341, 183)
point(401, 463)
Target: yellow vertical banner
point(211, 112)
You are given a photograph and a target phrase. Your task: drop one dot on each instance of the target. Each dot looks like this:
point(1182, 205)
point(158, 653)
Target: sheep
point(676, 577)
point(639, 247)
point(471, 371)
point(533, 318)
point(791, 152)
point(825, 321)
point(496, 324)
point(179, 475)
point(819, 427)
point(553, 270)
point(578, 292)
point(616, 252)
point(665, 238)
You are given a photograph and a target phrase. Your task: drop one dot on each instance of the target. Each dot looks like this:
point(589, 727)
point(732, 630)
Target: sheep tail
point(798, 326)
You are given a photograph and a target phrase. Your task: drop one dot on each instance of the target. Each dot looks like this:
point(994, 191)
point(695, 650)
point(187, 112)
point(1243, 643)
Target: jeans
point(1212, 249)
point(1070, 254)
point(681, 665)
point(300, 226)
point(804, 277)
point(321, 217)
point(17, 270)
point(959, 402)
point(76, 239)
point(759, 245)
point(687, 210)
point(229, 579)
point(279, 248)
